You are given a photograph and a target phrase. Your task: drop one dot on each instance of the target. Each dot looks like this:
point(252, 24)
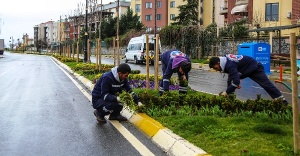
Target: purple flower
point(142, 84)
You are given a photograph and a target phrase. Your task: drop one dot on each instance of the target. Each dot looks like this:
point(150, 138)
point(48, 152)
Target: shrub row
point(198, 100)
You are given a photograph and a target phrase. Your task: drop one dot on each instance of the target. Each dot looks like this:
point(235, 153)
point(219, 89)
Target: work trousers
point(182, 86)
point(259, 76)
point(106, 108)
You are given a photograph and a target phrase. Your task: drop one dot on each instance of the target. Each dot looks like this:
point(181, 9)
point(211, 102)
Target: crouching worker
point(105, 93)
point(239, 67)
point(174, 61)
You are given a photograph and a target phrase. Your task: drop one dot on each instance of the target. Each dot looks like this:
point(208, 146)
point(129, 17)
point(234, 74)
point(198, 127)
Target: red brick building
point(148, 14)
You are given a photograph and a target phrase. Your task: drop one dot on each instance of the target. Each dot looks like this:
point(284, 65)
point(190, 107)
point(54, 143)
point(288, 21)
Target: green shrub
point(197, 103)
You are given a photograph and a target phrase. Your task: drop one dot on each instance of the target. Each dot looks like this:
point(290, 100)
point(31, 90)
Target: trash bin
point(259, 51)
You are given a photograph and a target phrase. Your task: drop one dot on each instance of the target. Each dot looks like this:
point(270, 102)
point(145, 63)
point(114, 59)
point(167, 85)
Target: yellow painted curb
point(148, 125)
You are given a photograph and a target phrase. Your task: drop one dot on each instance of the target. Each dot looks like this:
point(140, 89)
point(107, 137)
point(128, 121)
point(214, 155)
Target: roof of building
point(275, 28)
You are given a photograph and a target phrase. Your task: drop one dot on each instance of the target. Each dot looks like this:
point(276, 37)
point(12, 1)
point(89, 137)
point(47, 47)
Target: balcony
point(224, 11)
point(241, 2)
point(66, 29)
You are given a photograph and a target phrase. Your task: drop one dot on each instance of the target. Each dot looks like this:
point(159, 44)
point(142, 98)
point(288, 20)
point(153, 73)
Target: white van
point(136, 49)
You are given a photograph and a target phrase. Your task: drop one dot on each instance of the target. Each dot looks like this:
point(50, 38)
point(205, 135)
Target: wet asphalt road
point(215, 82)
point(42, 112)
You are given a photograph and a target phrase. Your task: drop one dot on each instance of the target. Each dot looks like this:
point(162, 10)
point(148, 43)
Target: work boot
point(117, 117)
point(99, 118)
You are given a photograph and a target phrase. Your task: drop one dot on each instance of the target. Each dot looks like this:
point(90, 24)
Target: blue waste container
point(259, 51)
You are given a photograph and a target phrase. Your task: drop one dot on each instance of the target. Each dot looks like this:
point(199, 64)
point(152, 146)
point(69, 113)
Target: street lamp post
point(118, 40)
point(155, 14)
point(85, 33)
point(12, 43)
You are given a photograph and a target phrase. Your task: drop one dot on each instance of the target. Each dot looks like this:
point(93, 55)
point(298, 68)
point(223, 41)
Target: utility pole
point(86, 33)
point(156, 50)
point(118, 41)
point(155, 6)
point(100, 27)
point(60, 35)
point(199, 13)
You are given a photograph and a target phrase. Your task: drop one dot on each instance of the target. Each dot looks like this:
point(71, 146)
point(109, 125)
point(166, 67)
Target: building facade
point(265, 14)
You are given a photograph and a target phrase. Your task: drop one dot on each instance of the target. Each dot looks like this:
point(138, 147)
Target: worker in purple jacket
point(174, 61)
point(239, 67)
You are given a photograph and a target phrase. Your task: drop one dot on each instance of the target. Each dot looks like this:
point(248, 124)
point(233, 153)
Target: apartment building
point(167, 10)
point(76, 23)
point(164, 10)
point(278, 13)
point(45, 32)
point(136, 5)
point(264, 14)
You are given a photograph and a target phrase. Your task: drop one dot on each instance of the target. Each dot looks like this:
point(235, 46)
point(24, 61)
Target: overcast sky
point(18, 17)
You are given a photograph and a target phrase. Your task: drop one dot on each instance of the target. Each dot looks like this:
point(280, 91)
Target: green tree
point(188, 13)
point(109, 28)
point(235, 30)
point(129, 21)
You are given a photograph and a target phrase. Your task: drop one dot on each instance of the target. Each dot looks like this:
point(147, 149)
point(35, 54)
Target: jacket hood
point(177, 60)
point(223, 61)
point(115, 73)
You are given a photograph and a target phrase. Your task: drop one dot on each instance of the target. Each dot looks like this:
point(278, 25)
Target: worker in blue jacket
point(174, 61)
point(239, 67)
point(105, 97)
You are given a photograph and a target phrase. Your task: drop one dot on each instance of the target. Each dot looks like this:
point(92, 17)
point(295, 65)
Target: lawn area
point(234, 135)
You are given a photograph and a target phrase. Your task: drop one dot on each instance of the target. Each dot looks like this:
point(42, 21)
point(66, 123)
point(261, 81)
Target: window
point(172, 4)
point(148, 17)
point(148, 5)
point(272, 11)
point(172, 16)
point(158, 17)
point(138, 8)
point(148, 29)
point(136, 46)
point(159, 4)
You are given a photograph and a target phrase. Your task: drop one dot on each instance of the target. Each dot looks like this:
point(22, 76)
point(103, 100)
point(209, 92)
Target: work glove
point(118, 99)
point(140, 104)
point(161, 93)
point(135, 99)
point(223, 94)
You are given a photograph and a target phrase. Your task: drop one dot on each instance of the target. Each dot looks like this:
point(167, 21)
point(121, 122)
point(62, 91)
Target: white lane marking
point(3, 74)
point(141, 148)
point(6, 72)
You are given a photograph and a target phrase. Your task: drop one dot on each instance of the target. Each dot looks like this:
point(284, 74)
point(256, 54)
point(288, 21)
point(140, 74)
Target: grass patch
point(233, 135)
point(203, 60)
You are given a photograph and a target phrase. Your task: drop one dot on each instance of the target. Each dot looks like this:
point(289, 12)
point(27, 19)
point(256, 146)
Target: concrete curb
point(163, 137)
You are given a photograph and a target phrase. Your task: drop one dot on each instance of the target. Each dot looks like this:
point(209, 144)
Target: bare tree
point(258, 18)
point(77, 20)
point(92, 5)
point(98, 16)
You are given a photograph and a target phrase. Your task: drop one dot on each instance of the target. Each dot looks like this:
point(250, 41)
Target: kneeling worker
point(105, 93)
